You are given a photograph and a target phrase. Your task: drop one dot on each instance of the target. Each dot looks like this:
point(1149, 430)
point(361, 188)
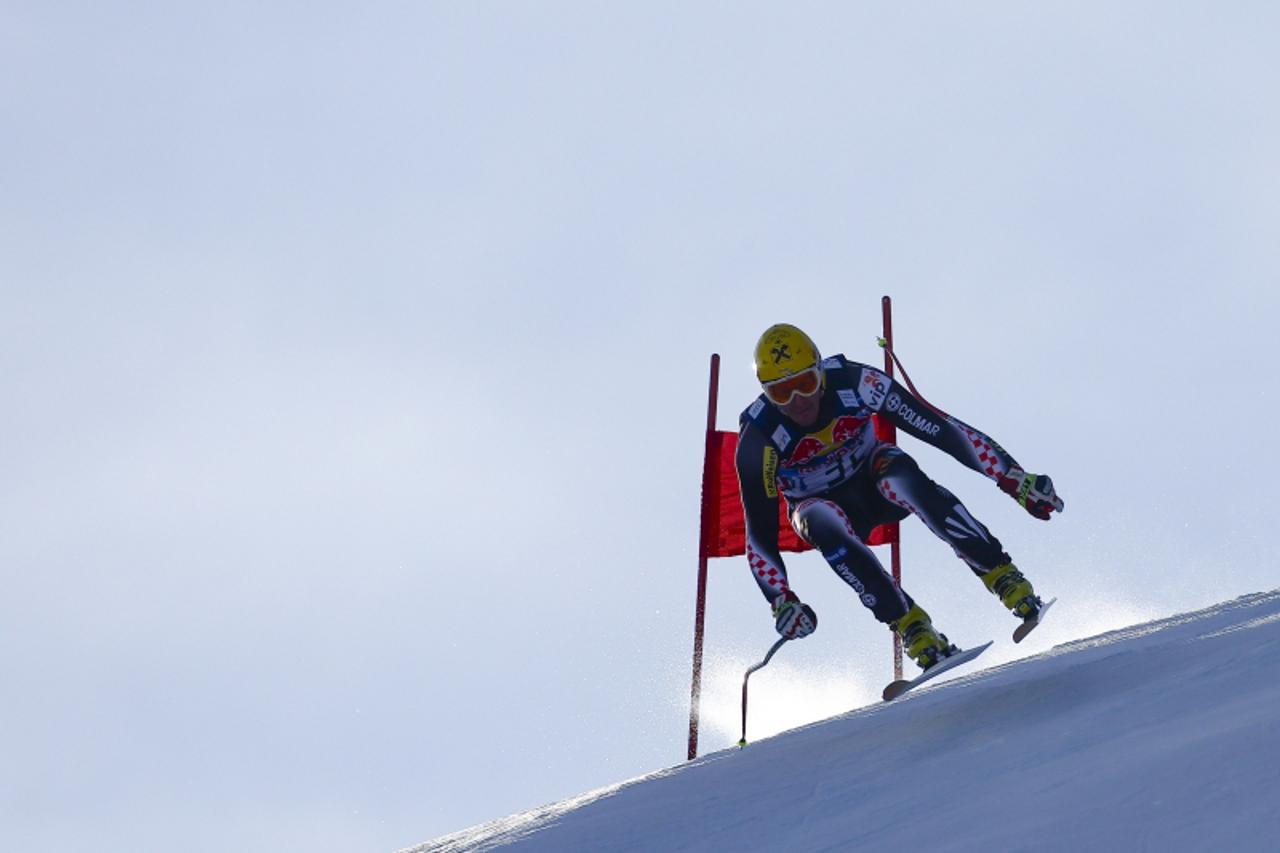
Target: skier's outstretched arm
point(757, 464)
point(754, 458)
point(971, 447)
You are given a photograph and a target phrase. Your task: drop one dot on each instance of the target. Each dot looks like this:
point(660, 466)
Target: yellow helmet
point(784, 350)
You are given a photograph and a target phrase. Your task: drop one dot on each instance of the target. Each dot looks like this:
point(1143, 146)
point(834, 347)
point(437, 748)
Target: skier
point(810, 438)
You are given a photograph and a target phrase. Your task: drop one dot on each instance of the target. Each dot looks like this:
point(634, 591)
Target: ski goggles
point(805, 383)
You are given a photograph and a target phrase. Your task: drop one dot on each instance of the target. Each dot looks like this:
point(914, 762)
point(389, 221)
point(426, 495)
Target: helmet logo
point(779, 353)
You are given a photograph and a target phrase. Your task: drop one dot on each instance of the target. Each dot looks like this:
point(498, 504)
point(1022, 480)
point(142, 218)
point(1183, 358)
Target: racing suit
point(840, 481)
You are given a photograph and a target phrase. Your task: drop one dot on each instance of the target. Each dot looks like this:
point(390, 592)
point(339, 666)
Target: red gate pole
point(695, 691)
point(895, 547)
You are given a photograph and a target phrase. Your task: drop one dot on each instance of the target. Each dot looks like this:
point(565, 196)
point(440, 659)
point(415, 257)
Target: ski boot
point(1014, 590)
point(924, 645)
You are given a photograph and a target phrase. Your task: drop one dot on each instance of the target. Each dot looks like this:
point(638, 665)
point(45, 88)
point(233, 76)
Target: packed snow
point(1160, 737)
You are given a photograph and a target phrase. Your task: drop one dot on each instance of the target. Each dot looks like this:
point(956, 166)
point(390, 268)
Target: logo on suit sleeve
point(910, 417)
point(771, 472)
point(873, 387)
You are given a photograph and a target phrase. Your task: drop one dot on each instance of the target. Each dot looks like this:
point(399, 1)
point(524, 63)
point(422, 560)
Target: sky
point(356, 359)
point(1155, 737)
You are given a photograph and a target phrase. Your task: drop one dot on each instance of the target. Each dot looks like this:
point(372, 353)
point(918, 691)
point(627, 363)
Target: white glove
point(1033, 492)
point(792, 618)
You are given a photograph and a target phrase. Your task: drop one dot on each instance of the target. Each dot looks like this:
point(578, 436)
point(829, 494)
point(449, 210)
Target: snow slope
point(1159, 737)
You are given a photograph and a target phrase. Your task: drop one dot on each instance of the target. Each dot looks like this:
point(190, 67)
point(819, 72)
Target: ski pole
point(760, 665)
point(888, 347)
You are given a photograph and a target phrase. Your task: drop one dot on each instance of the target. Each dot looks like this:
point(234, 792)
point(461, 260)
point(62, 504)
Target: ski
point(897, 688)
point(1029, 624)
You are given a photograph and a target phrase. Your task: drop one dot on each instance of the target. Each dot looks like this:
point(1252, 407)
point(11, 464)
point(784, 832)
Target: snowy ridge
point(1163, 737)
